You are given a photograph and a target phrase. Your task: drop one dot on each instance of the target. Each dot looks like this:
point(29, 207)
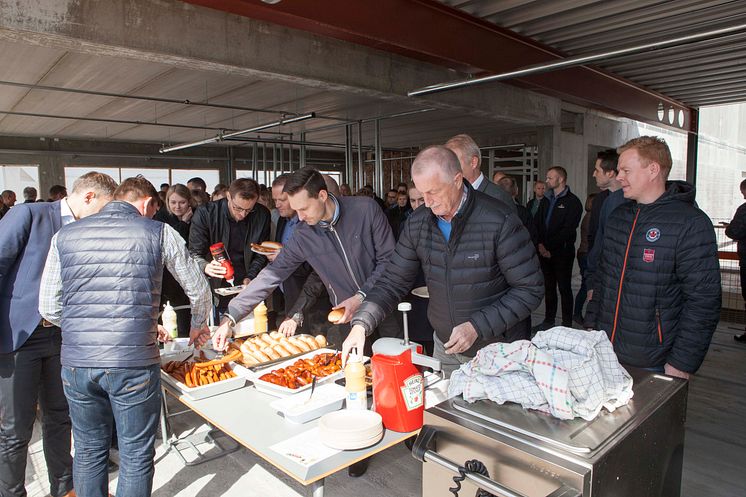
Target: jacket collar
point(120, 206)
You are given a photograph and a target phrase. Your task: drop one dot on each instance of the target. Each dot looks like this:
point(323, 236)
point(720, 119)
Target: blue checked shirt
point(176, 259)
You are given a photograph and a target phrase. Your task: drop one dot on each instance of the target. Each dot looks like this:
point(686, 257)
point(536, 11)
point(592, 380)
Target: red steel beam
point(431, 31)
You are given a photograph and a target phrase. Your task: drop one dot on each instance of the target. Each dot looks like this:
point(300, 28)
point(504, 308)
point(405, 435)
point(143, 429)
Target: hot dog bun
point(281, 350)
point(271, 245)
point(290, 347)
point(321, 340)
point(336, 314)
point(302, 345)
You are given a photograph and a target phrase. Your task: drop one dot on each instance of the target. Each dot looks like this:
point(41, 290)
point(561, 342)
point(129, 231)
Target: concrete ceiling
point(35, 111)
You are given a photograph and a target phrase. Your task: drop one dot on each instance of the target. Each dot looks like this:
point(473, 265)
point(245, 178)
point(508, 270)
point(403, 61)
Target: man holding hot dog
point(480, 266)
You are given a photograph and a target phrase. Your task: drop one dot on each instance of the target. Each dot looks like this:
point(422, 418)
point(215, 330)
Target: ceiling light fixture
point(222, 136)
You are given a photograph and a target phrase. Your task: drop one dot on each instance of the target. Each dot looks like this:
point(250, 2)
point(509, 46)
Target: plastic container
point(221, 256)
point(297, 408)
point(260, 319)
point(168, 318)
point(357, 396)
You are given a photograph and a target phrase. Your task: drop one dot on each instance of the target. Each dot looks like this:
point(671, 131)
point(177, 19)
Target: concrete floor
point(713, 465)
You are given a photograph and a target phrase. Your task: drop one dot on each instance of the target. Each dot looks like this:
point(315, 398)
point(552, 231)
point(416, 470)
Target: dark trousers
point(558, 275)
point(583, 291)
point(29, 375)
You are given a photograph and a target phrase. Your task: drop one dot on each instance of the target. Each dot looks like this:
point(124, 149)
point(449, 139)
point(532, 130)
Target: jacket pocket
point(659, 326)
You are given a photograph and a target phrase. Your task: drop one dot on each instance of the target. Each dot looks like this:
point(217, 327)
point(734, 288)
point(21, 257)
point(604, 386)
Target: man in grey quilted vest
point(102, 286)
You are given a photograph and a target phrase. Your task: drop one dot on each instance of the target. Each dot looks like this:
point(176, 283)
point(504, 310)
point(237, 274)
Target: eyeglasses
point(239, 209)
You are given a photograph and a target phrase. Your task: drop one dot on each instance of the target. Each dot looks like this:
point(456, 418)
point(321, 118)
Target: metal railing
point(733, 304)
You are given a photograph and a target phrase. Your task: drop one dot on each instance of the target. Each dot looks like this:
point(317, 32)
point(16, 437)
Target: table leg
point(317, 488)
point(164, 418)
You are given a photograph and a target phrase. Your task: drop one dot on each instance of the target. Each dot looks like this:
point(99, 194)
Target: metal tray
point(279, 391)
point(268, 364)
point(197, 393)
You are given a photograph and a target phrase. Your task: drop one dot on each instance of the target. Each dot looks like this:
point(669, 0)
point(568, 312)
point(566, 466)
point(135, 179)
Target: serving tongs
point(313, 387)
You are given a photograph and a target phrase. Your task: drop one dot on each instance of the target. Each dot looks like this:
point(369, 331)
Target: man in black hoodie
point(658, 280)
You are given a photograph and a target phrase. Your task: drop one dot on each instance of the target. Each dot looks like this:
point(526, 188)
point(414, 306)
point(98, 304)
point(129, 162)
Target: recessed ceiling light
point(271, 2)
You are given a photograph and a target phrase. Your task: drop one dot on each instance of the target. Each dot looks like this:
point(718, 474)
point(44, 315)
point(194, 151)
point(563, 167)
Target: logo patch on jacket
point(653, 235)
point(648, 255)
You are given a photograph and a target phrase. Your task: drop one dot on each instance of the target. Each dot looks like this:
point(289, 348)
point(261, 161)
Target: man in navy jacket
point(29, 346)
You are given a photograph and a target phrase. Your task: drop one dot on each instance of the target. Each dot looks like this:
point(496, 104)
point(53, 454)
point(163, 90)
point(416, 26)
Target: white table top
point(245, 415)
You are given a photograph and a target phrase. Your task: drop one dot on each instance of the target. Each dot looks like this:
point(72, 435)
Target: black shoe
point(740, 338)
point(409, 442)
point(358, 469)
point(544, 325)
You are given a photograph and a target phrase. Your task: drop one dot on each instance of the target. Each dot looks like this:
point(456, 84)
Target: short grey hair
point(100, 183)
point(467, 145)
point(436, 156)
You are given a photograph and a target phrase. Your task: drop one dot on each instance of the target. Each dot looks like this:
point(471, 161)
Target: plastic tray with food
point(202, 375)
point(296, 375)
point(267, 349)
point(229, 290)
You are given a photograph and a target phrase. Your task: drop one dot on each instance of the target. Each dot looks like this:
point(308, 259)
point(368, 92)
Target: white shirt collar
point(478, 181)
point(65, 212)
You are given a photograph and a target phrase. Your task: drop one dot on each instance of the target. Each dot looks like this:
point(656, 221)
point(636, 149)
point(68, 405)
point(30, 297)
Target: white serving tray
point(197, 393)
point(279, 391)
point(298, 409)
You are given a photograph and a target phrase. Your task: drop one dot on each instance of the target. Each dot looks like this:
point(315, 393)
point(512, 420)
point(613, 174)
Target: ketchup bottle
point(219, 254)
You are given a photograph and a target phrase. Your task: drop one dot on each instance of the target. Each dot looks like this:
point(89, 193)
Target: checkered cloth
point(562, 371)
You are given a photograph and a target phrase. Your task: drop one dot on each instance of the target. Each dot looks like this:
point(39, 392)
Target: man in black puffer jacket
point(480, 266)
point(657, 289)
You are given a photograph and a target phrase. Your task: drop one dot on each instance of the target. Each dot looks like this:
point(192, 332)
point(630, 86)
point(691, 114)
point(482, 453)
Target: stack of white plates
point(350, 429)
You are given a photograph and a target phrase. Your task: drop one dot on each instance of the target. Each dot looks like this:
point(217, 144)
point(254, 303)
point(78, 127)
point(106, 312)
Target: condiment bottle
point(357, 396)
point(168, 318)
point(219, 254)
point(260, 318)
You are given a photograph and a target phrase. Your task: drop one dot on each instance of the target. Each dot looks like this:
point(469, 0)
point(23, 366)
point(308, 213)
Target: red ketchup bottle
point(219, 254)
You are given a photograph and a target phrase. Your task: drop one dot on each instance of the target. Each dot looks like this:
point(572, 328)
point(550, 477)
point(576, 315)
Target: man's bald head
point(436, 157)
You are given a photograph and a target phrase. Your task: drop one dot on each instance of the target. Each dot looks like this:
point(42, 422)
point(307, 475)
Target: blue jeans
point(98, 397)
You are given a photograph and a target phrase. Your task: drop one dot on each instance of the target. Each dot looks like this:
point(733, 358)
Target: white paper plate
point(421, 291)
point(231, 290)
point(350, 429)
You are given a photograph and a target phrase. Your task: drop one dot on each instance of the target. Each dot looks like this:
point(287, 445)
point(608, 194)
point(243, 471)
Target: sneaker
point(740, 338)
point(544, 325)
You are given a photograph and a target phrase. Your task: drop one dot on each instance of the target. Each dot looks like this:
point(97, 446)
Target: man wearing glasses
point(237, 221)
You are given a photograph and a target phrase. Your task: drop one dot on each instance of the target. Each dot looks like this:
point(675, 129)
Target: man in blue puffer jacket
point(657, 289)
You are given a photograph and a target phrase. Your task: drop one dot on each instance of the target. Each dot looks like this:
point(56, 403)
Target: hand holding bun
point(336, 314)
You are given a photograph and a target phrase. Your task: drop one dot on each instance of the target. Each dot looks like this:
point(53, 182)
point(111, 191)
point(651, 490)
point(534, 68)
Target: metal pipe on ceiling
point(361, 172)
point(577, 60)
point(105, 120)
point(223, 136)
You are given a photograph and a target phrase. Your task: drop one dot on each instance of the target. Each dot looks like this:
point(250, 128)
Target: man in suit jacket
point(29, 347)
point(470, 159)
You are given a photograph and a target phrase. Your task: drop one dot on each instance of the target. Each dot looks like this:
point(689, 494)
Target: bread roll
point(271, 352)
point(271, 245)
point(336, 314)
point(321, 340)
point(282, 350)
point(268, 340)
point(261, 356)
point(310, 341)
point(276, 335)
point(301, 344)
point(293, 349)
point(249, 360)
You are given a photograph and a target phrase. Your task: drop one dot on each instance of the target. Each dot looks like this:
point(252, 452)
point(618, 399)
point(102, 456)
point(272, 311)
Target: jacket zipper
point(344, 254)
point(658, 322)
point(621, 278)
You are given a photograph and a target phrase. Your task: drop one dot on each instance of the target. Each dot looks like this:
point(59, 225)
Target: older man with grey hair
point(480, 266)
point(470, 159)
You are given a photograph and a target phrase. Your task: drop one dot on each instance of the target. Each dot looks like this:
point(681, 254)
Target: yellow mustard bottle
point(357, 396)
point(260, 319)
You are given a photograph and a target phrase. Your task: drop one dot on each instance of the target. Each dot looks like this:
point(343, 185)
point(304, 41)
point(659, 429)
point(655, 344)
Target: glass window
point(17, 178)
point(211, 177)
point(73, 173)
point(155, 176)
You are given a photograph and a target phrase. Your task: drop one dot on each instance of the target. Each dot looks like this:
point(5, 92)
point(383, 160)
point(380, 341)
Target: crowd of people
point(83, 279)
